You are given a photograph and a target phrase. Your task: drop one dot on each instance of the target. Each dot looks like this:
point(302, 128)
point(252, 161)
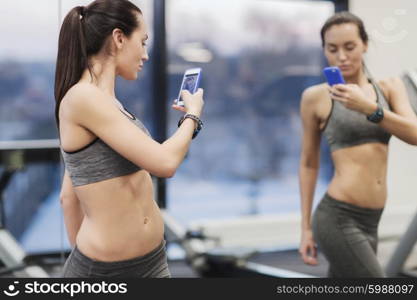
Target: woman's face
point(133, 53)
point(344, 48)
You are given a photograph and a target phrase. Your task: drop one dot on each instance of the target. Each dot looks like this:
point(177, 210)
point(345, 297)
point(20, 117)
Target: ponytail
point(72, 55)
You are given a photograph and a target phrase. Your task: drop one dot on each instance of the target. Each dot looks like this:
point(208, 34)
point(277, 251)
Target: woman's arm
point(94, 110)
point(401, 121)
point(308, 171)
point(73, 214)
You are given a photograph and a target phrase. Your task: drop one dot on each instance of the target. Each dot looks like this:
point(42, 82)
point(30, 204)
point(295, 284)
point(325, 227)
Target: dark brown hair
point(343, 18)
point(84, 32)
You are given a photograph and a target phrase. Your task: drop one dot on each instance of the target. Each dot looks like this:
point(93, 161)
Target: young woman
point(357, 119)
point(107, 193)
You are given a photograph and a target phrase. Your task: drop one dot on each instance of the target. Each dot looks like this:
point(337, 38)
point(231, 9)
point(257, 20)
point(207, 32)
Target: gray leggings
point(154, 264)
point(347, 236)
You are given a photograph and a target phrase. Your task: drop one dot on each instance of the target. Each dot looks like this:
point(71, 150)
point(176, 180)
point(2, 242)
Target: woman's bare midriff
point(122, 220)
point(360, 175)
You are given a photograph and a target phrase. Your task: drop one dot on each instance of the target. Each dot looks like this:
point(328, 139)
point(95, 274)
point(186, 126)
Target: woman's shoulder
point(390, 84)
point(84, 99)
point(314, 94)
point(390, 81)
point(82, 92)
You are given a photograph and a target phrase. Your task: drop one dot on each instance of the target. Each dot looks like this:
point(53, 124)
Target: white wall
point(393, 49)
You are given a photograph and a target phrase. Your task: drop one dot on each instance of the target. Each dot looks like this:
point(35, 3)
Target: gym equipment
point(215, 261)
point(396, 263)
point(14, 155)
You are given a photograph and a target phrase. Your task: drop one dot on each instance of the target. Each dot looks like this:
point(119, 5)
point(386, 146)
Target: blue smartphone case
point(333, 75)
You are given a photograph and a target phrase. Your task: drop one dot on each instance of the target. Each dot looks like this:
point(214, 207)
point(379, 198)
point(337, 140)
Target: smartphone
point(333, 75)
point(190, 82)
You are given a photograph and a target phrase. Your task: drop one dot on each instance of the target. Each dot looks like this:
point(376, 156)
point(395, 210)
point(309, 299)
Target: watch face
point(377, 116)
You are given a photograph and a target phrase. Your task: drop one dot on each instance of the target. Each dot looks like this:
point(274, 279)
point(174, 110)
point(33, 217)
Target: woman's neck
point(104, 76)
point(359, 78)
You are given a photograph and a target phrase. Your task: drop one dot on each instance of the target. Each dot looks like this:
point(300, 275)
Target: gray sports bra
point(97, 161)
point(347, 128)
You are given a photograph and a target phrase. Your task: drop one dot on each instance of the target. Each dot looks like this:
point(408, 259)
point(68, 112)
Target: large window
point(27, 56)
point(256, 57)
point(27, 68)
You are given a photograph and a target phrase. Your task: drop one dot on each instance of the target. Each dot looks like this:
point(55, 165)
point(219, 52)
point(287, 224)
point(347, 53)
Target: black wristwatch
point(196, 119)
point(377, 115)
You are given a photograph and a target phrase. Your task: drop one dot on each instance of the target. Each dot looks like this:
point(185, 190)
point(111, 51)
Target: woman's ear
point(118, 38)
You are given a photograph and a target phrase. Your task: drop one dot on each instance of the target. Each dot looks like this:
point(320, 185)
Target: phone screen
point(190, 83)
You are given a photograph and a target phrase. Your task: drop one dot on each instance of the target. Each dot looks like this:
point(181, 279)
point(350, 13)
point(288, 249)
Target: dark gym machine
point(15, 155)
point(395, 266)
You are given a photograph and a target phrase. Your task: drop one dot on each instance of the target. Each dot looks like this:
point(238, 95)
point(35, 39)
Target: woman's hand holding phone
point(350, 95)
point(193, 103)
point(353, 97)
